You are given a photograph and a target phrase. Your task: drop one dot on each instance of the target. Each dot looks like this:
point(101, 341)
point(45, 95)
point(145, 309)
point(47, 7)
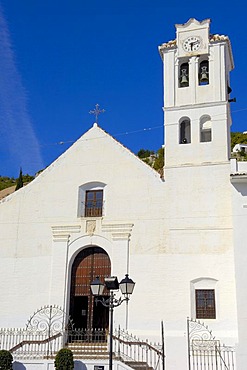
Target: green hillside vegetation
point(153, 159)
point(6, 182)
point(238, 138)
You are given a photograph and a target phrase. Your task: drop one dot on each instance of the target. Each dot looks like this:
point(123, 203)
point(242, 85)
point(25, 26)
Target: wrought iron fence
point(42, 337)
point(86, 335)
point(25, 344)
point(131, 349)
point(48, 330)
point(205, 352)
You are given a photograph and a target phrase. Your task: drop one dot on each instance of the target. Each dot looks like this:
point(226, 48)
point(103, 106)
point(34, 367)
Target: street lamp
point(126, 286)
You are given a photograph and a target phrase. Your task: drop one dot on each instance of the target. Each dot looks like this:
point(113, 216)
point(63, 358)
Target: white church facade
point(100, 211)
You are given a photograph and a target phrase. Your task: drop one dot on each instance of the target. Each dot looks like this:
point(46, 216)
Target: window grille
point(94, 203)
point(205, 304)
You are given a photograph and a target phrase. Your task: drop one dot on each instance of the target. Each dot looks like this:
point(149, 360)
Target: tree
point(6, 360)
point(19, 183)
point(159, 160)
point(238, 138)
point(144, 153)
point(64, 360)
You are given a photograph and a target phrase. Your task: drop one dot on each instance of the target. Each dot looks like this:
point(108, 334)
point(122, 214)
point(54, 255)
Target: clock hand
point(192, 44)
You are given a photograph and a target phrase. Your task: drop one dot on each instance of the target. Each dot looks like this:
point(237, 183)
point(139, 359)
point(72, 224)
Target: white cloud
point(18, 142)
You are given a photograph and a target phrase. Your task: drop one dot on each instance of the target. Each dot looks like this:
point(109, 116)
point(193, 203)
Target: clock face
point(192, 43)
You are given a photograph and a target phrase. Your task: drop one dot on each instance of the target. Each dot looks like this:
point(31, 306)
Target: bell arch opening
point(88, 264)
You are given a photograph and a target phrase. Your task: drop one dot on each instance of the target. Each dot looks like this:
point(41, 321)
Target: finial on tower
point(96, 112)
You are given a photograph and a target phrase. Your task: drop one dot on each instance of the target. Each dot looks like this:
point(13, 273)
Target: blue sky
point(60, 58)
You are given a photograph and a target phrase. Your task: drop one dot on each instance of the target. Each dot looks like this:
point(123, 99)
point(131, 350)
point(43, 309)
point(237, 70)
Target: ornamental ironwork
point(48, 319)
point(205, 352)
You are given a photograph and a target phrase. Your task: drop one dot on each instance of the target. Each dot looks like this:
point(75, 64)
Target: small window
point(205, 304)
point(91, 199)
point(203, 75)
point(94, 203)
point(205, 129)
point(185, 134)
point(184, 75)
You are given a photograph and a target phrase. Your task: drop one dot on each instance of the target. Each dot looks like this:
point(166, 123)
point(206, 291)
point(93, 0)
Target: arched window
point(184, 75)
point(203, 75)
point(91, 200)
point(205, 129)
point(185, 131)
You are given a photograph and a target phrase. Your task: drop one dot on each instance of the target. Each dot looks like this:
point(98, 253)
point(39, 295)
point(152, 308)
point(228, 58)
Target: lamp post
point(126, 286)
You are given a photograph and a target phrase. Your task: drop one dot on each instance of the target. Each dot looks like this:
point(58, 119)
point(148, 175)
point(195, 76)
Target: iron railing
point(205, 352)
point(49, 329)
point(86, 336)
point(92, 210)
point(129, 348)
point(24, 344)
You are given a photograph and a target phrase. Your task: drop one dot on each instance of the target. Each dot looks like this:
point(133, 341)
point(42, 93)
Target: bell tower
point(196, 96)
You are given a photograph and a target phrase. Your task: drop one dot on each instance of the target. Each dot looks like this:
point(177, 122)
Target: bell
point(184, 80)
point(204, 76)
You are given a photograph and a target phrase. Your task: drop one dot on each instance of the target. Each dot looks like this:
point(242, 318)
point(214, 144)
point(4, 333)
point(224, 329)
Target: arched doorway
point(88, 264)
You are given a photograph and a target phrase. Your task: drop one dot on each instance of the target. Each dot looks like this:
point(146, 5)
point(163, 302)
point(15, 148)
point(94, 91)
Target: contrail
point(19, 146)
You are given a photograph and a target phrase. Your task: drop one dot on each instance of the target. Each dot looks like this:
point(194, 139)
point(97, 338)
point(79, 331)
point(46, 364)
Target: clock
point(192, 43)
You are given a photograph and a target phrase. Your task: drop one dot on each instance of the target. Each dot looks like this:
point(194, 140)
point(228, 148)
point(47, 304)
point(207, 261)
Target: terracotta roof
point(212, 38)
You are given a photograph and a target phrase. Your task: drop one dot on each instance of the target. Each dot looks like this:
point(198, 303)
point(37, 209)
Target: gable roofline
point(85, 137)
point(105, 135)
point(193, 21)
point(123, 147)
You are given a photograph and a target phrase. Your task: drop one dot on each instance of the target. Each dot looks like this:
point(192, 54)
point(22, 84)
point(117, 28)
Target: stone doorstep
point(85, 349)
point(83, 357)
point(85, 344)
point(138, 365)
point(89, 350)
point(90, 354)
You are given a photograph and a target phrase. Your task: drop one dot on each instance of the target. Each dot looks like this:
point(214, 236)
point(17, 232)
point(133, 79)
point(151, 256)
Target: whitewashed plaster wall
point(196, 153)
point(39, 223)
point(177, 231)
point(239, 189)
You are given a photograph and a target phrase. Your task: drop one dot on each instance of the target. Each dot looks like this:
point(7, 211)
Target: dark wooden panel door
point(88, 264)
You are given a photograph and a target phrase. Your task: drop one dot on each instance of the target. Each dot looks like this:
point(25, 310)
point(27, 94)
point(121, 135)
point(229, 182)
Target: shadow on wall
point(78, 365)
point(18, 366)
point(241, 188)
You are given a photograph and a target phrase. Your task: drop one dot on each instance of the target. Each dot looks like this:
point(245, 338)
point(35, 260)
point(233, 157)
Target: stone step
point(88, 349)
point(138, 365)
point(87, 344)
point(82, 350)
point(86, 357)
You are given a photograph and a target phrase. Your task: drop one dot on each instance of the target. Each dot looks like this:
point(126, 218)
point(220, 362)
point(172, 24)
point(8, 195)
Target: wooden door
point(88, 264)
